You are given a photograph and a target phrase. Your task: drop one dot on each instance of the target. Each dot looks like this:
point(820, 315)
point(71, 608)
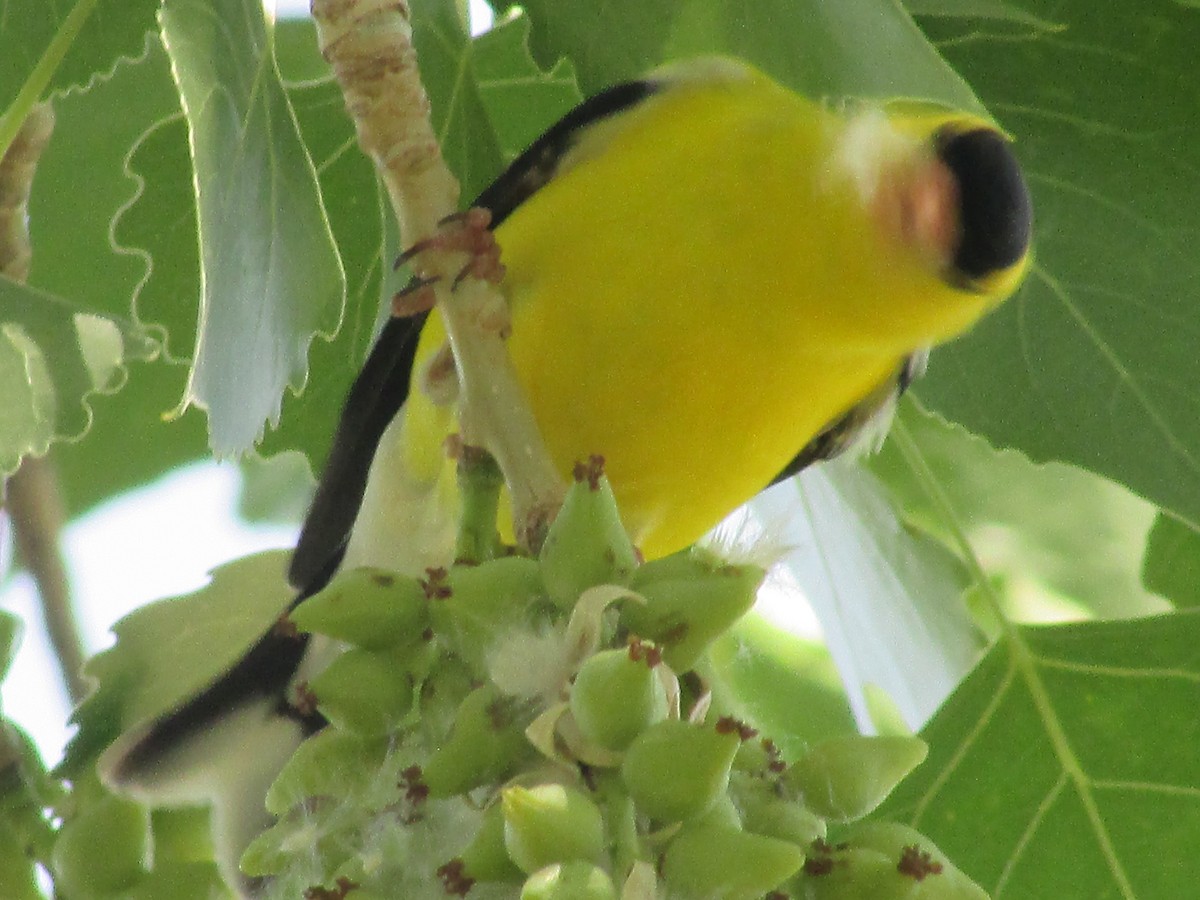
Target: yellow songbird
point(713, 282)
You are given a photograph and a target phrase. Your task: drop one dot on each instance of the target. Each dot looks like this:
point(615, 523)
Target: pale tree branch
point(32, 496)
point(369, 45)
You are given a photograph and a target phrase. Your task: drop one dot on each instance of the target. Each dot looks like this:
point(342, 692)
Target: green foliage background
point(1065, 764)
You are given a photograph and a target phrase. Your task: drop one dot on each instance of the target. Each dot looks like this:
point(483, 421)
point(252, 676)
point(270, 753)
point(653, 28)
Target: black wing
point(844, 432)
point(376, 395)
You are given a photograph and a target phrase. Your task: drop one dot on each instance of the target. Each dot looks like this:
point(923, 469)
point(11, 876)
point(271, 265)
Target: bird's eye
point(996, 216)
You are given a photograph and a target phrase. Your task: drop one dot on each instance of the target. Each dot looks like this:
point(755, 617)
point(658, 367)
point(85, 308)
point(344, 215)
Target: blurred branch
point(36, 510)
point(369, 45)
point(34, 504)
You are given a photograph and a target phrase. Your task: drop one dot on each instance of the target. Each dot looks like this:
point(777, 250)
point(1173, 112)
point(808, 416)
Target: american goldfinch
point(713, 281)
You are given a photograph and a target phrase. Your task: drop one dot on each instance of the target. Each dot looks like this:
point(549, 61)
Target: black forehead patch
point(996, 213)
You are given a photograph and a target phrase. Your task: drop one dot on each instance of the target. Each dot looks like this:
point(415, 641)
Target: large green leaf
point(53, 357)
point(864, 48)
point(1066, 764)
point(1012, 512)
point(271, 274)
point(1094, 362)
point(128, 442)
point(169, 650)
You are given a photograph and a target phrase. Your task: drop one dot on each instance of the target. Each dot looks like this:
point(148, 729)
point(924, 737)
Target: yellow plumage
point(706, 282)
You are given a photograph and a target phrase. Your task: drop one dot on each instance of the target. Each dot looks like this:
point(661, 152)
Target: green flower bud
point(367, 692)
point(369, 608)
point(576, 880)
point(845, 778)
point(332, 763)
point(889, 861)
point(689, 604)
point(617, 695)
point(485, 744)
point(470, 605)
point(849, 873)
point(586, 545)
point(486, 857)
point(676, 770)
point(765, 812)
point(550, 823)
point(725, 863)
point(102, 850)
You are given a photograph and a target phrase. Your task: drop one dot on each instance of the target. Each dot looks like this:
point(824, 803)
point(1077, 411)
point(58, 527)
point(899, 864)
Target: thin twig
point(36, 510)
point(369, 45)
point(32, 496)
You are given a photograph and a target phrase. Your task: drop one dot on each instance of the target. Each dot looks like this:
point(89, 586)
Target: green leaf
point(53, 356)
point(169, 650)
point(889, 600)
point(860, 48)
point(271, 273)
point(519, 99)
point(1066, 764)
point(998, 10)
point(786, 686)
point(51, 48)
point(1172, 563)
point(1094, 361)
point(1011, 510)
point(128, 443)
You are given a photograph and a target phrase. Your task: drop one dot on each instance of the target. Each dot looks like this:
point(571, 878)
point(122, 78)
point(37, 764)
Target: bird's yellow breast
point(695, 302)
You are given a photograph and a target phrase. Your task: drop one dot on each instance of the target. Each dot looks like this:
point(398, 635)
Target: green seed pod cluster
point(610, 772)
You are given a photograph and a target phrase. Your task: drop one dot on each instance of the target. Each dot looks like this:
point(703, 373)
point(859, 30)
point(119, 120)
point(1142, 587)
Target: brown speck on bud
point(730, 725)
point(455, 880)
point(917, 863)
point(342, 887)
point(416, 792)
point(590, 471)
point(435, 584)
point(643, 651)
point(816, 866)
point(775, 763)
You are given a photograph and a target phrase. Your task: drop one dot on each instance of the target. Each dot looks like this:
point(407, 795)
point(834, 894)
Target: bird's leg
point(466, 232)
